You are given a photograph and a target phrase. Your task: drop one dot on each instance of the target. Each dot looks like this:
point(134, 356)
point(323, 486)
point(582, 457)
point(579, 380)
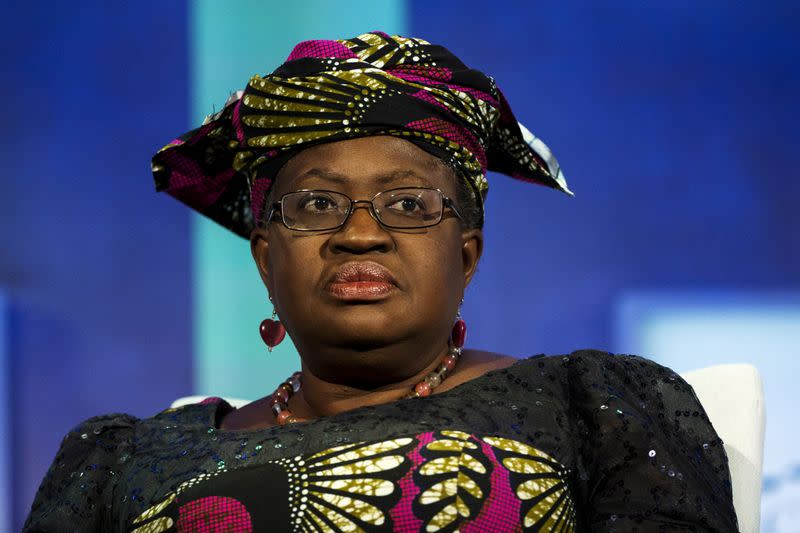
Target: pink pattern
point(500, 511)
point(258, 193)
point(426, 96)
point(214, 514)
point(211, 399)
point(187, 182)
point(414, 78)
point(320, 48)
point(403, 513)
point(428, 73)
point(237, 123)
point(480, 95)
point(449, 130)
point(425, 77)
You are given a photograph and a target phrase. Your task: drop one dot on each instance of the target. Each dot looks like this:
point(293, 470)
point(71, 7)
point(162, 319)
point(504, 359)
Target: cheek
point(294, 264)
point(439, 269)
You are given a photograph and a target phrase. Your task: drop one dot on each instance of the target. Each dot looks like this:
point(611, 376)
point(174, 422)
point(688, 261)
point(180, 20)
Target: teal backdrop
point(230, 41)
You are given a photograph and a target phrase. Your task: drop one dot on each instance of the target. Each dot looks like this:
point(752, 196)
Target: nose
point(361, 232)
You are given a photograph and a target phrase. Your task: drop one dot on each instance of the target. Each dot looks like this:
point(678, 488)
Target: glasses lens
point(314, 210)
point(409, 207)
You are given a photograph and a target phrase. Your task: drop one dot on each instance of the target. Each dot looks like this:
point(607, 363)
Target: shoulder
point(592, 379)
point(82, 440)
point(84, 464)
point(587, 364)
point(104, 438)
point(96, 439)
point(100, 423)
point(91, 457)
point(582, 372)
point(627, 375)
point(590, 359)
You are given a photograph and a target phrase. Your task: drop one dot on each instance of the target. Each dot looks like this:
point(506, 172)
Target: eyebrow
point(339, 178)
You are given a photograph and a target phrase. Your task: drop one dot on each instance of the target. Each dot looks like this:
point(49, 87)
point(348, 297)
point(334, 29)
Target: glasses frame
point(447, 203)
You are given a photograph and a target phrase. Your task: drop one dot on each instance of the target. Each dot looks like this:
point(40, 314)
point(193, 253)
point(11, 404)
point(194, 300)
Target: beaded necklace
point(279, 402)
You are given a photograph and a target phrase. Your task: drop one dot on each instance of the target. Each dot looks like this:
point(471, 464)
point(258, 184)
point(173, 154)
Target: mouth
point(361, 281)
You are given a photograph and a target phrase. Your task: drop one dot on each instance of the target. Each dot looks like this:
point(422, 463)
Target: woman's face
point(363, 287)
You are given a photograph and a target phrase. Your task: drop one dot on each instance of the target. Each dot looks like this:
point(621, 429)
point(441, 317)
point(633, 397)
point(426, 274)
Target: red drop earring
point(272, 331)
point(459, 333)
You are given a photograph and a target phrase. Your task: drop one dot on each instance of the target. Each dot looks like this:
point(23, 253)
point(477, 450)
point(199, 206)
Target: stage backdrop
point(675, 125)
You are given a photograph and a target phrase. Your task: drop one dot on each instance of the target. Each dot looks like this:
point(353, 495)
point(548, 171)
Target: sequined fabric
point(328, 91)
point(584, 442)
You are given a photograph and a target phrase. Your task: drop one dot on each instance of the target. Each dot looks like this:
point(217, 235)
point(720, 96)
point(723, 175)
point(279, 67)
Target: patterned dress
point(584, 442)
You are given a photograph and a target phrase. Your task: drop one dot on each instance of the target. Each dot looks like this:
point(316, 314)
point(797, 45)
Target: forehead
point(368, 164)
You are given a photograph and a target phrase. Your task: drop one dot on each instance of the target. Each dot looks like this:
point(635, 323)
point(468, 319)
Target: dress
point(584, 442)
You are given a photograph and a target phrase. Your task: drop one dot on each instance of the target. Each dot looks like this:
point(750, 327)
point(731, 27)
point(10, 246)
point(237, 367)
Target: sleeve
point(651, 458)
point(76, 491)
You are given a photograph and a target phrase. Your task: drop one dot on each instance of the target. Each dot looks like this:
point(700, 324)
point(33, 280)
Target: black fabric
point(632, 443)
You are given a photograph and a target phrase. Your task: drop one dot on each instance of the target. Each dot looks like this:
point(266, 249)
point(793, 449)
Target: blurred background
point(676, 124)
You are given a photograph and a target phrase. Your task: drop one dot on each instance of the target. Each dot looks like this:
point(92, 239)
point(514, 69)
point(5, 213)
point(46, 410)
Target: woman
point(357, 171)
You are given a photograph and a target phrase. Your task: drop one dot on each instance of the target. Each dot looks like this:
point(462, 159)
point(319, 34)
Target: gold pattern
point(456, 464)
point(156, 526)
point(351, 487)
point(540, 483)
point(347, 486)
point(151, 512)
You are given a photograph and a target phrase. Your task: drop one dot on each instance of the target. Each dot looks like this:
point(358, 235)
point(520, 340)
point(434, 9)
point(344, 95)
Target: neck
point(322, 396)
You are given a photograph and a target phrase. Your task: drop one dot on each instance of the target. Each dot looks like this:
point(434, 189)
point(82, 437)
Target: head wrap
point(328, 91)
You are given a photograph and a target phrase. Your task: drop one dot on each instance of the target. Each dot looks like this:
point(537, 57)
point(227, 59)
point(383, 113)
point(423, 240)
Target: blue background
point(676, 127)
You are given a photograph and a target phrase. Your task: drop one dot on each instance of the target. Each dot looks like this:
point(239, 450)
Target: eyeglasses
point(404, 208)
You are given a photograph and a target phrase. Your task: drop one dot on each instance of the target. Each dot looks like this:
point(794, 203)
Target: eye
point(315, 202)
point(408, 204)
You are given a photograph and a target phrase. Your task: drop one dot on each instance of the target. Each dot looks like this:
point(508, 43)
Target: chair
point(733, 398)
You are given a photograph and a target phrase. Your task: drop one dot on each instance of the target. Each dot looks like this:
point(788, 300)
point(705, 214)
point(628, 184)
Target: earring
point(271, 329)
point(459, 333)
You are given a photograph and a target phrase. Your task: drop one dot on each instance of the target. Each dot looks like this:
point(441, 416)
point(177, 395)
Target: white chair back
point(733, 398)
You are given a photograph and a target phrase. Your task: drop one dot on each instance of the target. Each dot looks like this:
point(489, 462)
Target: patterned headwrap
point(328, 91)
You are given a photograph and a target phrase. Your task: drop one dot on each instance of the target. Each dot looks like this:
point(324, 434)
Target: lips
point(361, 281)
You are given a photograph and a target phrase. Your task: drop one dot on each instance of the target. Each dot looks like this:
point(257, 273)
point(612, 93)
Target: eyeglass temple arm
point(276, 206)
point(449, 203)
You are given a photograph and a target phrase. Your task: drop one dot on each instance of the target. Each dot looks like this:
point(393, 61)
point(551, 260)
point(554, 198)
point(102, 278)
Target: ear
point(259, 247)
point(471, 250)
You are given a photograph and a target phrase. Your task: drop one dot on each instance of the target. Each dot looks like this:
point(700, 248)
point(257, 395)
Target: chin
point(366, 369)
point(365, 333)
point(363, 327)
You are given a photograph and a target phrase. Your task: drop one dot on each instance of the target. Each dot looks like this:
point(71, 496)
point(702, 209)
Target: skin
point(366, 352)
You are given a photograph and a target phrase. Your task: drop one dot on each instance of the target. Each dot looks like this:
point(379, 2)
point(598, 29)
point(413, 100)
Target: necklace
point(279, 402)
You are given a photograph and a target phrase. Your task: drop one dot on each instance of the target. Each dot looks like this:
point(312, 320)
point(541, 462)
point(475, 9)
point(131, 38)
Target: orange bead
point(283, 417)
point(423, 388)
